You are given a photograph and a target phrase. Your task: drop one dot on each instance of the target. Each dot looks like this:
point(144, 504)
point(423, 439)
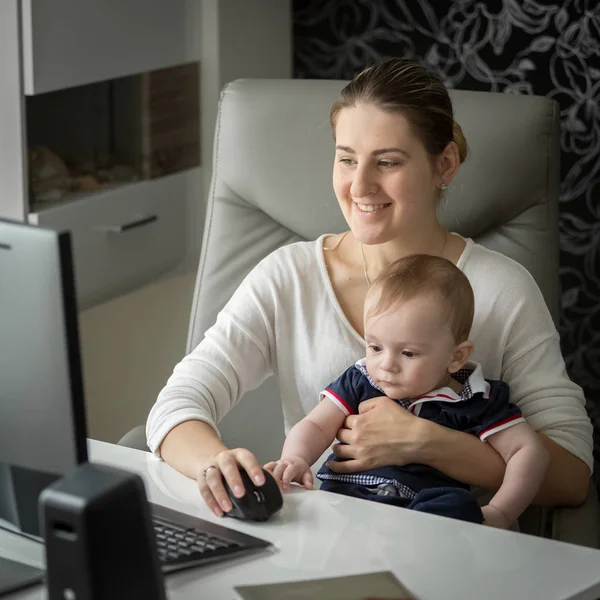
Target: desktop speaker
point(99, 539)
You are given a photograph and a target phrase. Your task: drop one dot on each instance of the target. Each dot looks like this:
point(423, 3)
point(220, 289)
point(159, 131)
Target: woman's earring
point(443, 187)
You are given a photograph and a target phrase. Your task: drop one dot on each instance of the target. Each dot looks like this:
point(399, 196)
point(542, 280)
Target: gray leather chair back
point(271, 185)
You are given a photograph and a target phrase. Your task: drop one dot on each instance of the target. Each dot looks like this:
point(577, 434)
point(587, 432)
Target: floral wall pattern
point(549, 48)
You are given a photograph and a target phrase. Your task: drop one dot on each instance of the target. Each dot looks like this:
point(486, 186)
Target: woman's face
point(383, 177)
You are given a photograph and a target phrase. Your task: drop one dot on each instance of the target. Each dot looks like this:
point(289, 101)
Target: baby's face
point(409, 347)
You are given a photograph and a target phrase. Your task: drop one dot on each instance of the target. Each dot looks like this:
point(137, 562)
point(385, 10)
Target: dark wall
point(524, 47)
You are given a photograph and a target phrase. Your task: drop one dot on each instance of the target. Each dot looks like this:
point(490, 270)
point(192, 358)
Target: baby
point(417, 319)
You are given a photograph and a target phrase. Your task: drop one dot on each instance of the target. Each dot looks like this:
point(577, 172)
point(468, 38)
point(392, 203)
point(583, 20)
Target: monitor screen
point(42, 416)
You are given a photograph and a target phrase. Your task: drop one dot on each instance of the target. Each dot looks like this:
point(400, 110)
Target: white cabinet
point(69, 58)
point(69, 43)
point(123, 237)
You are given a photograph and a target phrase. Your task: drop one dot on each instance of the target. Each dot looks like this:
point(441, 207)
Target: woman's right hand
point(226, 464)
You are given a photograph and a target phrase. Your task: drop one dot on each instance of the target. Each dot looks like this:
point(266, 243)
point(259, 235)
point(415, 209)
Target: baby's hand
point(494, 517)
point(291, 468)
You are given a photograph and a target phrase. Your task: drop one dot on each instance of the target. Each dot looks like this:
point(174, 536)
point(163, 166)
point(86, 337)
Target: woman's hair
point(424, 275)
point(399, 85)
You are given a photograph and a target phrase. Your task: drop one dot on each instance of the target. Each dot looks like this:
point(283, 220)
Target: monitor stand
point(19, 492)
point(16, 576)
point(20, 489)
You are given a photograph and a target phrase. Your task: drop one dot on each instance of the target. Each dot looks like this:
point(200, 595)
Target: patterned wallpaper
point(518, 47)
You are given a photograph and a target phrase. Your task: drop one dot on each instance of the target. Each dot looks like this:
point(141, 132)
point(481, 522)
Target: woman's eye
point(346, 161)
point(387, 164)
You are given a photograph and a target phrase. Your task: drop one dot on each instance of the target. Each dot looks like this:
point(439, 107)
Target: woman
point(298, 314)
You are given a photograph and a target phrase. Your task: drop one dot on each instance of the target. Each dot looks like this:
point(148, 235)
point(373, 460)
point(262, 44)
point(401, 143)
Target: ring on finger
point(207, 469)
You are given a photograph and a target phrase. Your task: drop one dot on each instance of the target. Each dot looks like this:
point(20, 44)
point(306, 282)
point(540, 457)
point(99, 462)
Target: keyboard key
point(175, 527)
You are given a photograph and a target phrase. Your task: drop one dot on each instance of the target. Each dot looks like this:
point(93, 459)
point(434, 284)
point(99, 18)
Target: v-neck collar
point(331, 292)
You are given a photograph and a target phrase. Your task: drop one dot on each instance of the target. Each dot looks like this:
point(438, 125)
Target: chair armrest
point(579, 525)
point(136, 439)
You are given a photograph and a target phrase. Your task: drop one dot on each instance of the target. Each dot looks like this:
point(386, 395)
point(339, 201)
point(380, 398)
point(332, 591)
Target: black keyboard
point(184, 541)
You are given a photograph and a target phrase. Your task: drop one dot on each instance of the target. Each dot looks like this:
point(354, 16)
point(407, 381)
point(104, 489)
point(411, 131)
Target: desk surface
point(318, 534)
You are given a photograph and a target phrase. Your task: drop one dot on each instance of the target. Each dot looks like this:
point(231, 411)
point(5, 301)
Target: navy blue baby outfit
point(482, 409)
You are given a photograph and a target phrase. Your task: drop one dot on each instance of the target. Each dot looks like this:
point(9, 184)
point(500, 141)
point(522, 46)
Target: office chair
point(271, 185)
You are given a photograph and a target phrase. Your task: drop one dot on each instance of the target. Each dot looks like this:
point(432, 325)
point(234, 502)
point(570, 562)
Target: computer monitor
point(42, 415)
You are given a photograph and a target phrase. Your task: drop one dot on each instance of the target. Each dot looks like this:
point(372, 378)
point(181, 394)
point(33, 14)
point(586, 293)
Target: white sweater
point(284, 319)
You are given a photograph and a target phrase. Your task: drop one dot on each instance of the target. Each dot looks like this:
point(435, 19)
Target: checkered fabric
point(370, 481)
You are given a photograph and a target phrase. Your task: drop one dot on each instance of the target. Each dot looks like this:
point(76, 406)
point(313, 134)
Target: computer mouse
point(259, 502)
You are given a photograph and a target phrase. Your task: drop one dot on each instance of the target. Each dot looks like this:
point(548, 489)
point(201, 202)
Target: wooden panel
point(170, 120)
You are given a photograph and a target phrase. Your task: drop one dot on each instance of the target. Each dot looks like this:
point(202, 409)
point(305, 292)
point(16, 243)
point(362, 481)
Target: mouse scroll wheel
point(259, 496)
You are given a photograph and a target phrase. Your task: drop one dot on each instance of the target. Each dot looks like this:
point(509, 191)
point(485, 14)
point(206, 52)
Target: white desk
point(318, 534)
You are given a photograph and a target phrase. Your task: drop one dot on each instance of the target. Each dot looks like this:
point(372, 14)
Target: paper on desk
point(376, 586)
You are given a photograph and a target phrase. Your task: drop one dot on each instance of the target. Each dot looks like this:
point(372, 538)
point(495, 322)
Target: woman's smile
point(370, 208)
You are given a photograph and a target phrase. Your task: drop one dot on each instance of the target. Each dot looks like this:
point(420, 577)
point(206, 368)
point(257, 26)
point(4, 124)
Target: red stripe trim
point(438, 396)
point(341, 401)
point(500, 423)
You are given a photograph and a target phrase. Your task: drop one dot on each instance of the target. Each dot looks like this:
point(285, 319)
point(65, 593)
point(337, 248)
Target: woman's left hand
point(383, 433)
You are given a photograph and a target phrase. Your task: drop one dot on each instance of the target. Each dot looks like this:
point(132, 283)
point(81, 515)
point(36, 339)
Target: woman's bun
point(461, 142)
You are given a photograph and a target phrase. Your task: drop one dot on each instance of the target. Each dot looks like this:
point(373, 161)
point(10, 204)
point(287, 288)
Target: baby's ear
point(462, 353)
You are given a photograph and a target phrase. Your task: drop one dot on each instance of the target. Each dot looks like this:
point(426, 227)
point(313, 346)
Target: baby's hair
point(421, 275)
